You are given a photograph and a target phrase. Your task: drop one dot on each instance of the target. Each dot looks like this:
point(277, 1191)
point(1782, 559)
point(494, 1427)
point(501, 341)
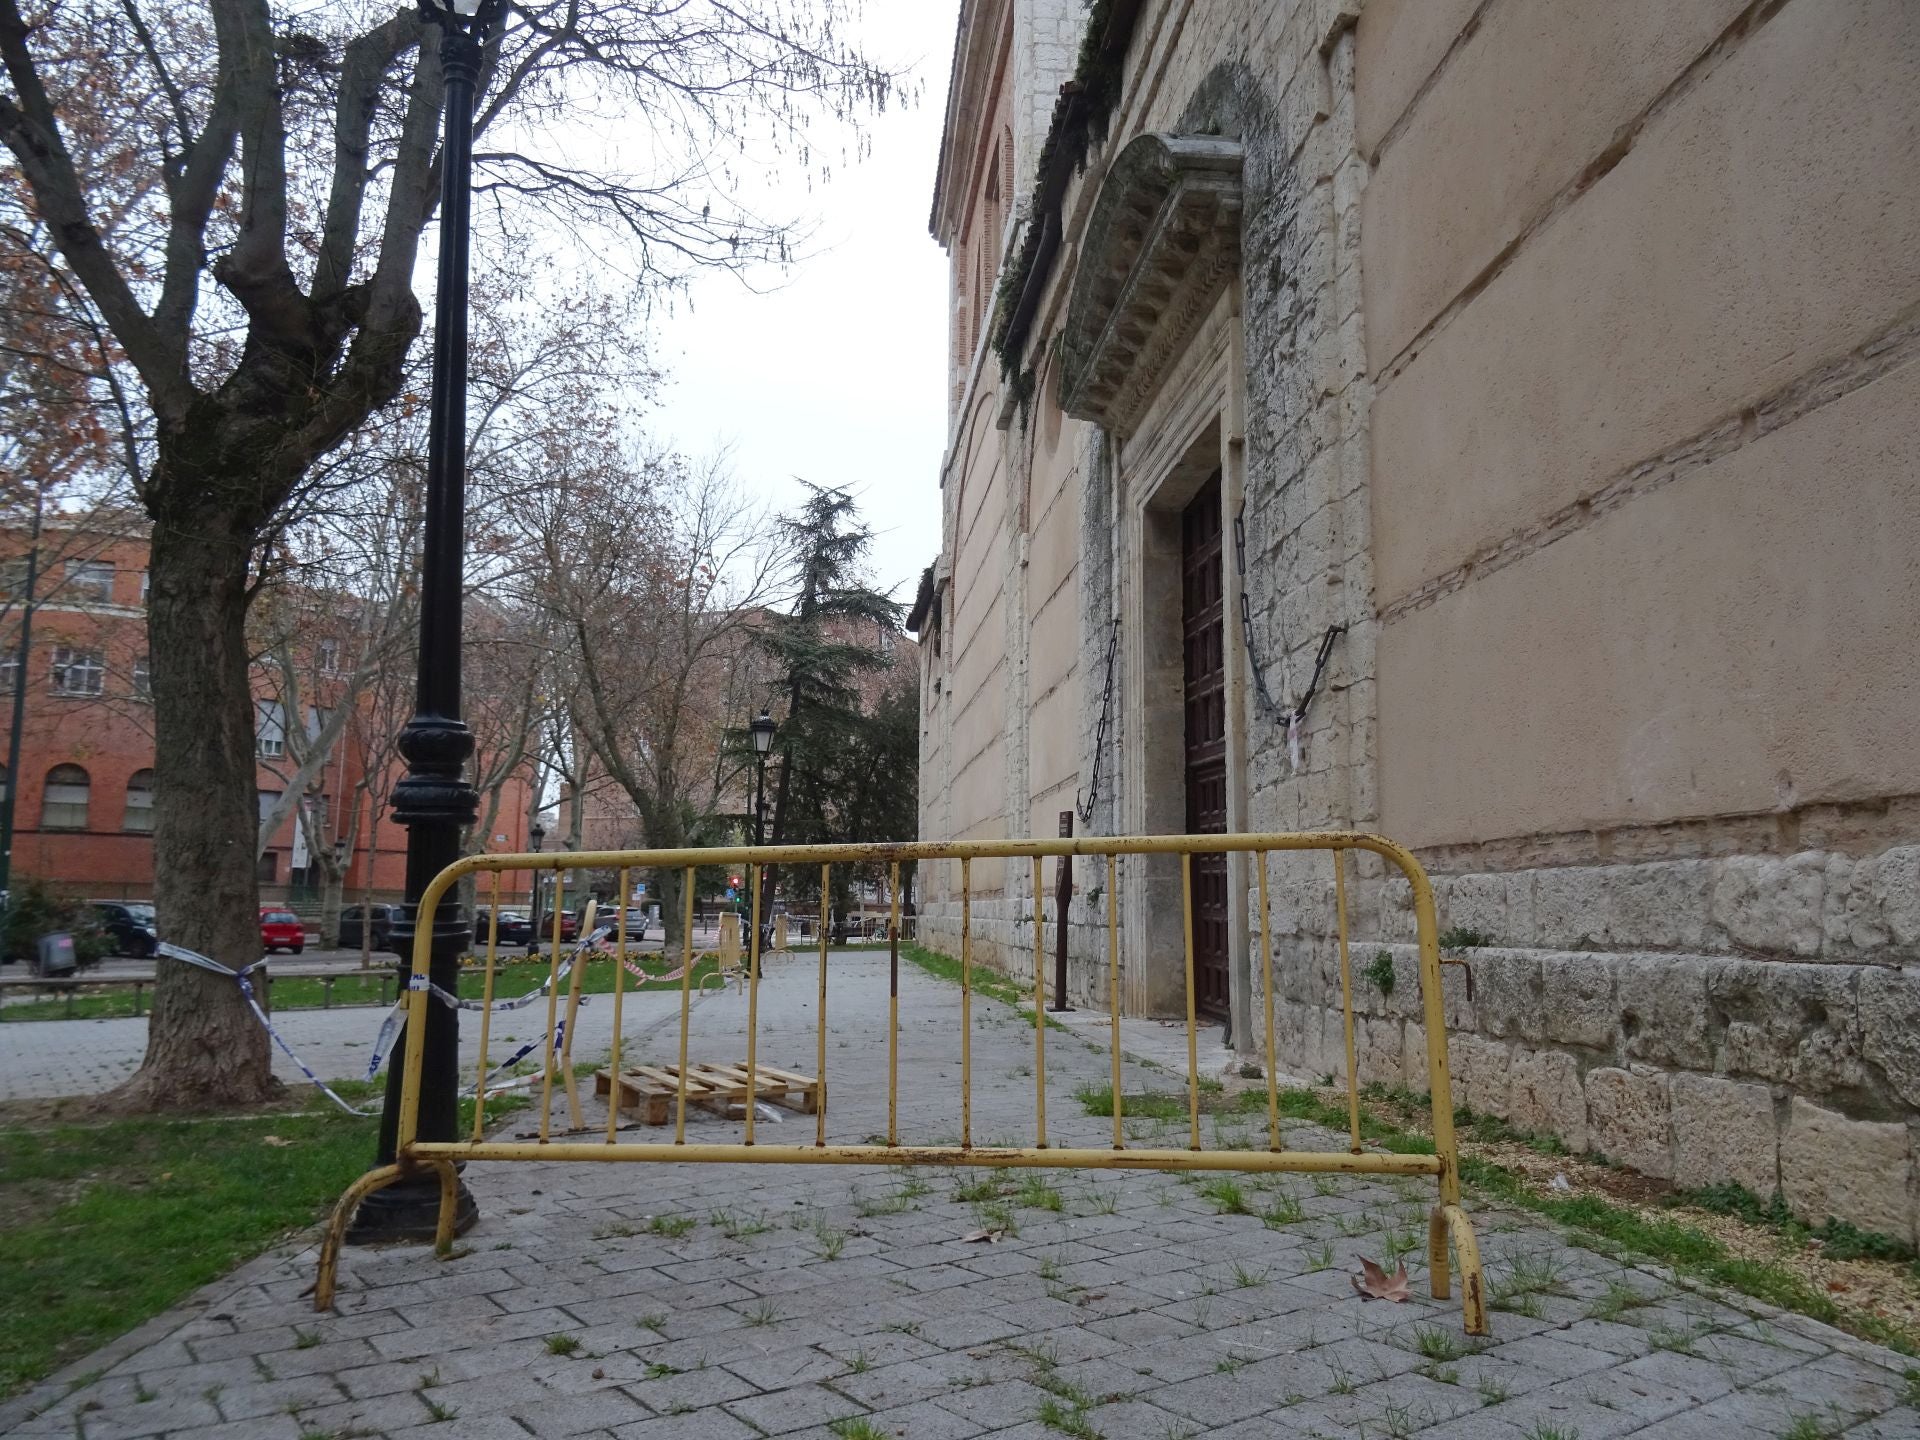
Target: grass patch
point(104, 1226)
point(990, 983)
point(1067, 1419)
point(511, 977)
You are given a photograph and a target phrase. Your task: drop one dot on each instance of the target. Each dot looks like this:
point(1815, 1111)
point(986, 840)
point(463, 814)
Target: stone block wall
point(1751, 1018)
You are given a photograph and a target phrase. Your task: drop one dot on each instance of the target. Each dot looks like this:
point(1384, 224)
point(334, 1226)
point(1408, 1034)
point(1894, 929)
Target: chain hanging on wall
point(1100, 731)
point(1295, 718)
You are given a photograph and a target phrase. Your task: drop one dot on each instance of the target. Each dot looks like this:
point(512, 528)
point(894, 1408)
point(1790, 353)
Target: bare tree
point(658, 608)
point(240, 191)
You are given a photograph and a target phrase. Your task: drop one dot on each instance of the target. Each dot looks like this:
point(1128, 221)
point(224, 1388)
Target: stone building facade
point(1549, 373)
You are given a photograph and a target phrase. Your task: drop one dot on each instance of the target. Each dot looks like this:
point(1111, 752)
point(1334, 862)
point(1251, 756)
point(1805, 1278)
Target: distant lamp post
point(762, 732)
point(536, 837)
point(434, 801)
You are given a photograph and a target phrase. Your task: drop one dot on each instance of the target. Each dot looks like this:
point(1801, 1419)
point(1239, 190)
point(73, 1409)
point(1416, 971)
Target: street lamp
point(762, 732)
point(536, 837)
point(434, 800)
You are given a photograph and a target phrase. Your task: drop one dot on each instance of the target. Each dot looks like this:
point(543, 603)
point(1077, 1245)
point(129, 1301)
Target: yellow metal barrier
point(1449, 1219)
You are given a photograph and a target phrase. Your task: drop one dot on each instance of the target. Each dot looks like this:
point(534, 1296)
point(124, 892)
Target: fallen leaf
point(1378, 1285)
point(979, 1237)
point(599, 1373)
point(276, 1141)
point(1837, 1285)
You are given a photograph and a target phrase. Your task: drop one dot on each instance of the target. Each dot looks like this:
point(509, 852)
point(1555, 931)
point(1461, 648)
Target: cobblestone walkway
point(674, 1302)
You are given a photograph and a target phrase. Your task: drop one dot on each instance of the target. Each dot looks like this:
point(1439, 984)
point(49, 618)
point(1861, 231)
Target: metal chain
point(1298, 713)
point(1100, 731)
point(1246, 610)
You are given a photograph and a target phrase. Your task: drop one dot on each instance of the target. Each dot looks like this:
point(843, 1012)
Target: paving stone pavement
point(675, 1302)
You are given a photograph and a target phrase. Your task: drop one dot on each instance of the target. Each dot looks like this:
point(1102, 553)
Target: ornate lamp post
point(434, 800)
point(536, 837)
point(762, 732)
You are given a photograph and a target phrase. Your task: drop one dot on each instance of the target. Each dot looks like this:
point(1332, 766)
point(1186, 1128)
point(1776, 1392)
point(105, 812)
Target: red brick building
point(83, 817)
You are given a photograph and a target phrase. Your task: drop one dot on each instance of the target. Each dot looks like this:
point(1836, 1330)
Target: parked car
point(378, 922)
point(281, 930)
point(128, 926)
point(515, 928)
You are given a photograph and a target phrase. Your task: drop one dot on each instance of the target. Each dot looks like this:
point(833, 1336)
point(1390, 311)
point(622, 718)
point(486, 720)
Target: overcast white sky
point(839, 376)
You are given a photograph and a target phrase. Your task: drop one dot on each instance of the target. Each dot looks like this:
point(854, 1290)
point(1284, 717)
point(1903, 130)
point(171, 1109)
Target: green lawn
point(512, 977)
point(104, 1226)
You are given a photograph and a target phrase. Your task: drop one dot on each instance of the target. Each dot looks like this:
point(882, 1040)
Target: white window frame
point(89, 582)
point(80, 674)
point(270, 729)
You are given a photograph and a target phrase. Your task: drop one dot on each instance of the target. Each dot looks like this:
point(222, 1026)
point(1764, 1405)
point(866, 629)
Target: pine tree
point(835, 637)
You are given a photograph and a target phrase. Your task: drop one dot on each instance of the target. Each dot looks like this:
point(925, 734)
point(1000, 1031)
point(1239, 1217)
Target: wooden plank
point(718, 1087)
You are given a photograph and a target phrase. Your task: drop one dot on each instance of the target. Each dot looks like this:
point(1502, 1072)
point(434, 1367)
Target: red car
point(281, 930)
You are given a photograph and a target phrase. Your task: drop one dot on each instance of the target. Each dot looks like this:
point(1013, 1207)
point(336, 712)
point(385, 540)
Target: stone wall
point(1577, 352)
point(1602, 1006)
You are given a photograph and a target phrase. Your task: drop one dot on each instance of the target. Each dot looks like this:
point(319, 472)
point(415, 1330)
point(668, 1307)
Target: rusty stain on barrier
point(1449, 1228)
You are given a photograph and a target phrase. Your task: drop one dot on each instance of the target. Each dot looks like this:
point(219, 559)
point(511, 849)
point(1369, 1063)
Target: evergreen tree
point(836, 636)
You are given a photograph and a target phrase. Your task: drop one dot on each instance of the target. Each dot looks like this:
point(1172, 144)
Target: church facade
point(1488, 423)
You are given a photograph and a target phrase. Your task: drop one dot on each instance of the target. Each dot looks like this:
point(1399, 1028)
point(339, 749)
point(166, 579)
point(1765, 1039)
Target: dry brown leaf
point(1378, 1285)
point(983, 1237)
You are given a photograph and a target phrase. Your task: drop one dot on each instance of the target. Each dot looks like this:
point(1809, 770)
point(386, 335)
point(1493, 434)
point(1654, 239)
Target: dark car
point(378, 923)
point(128, 926)
point(515, 928)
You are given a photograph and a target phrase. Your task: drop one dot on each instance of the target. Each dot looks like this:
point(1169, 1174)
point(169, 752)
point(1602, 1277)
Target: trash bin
point(56, 954)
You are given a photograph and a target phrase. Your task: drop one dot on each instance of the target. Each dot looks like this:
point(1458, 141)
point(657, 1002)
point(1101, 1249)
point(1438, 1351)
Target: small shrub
point(1379, 971)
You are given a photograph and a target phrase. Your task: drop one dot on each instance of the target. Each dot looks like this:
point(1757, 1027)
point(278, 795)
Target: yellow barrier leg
point(1451, 1220)
point(444, 1222)
point(342, 1216)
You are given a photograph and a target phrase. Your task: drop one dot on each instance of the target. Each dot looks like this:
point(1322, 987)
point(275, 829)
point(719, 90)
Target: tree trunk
point(331, 896)
point(366, 886)
point(666, 885)
point(204, 1047)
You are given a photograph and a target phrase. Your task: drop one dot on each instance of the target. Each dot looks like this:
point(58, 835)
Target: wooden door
point(1203, 603)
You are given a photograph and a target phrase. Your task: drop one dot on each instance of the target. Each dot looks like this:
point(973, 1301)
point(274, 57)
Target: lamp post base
point(409, 1212)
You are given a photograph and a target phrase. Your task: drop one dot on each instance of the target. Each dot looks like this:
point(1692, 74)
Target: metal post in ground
point(1060, 937)
point(434, 800)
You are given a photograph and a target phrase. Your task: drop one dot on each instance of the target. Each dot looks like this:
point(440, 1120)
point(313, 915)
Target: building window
point(270, 728)
point(78, 672)
point(267, 867)
point(63, 804)
point(9, 671)
point(13, 577)
point(146, 585)
point(139, 803)
point(90, 582)
point(143, 678)
point(327, 656)
point(3, 782)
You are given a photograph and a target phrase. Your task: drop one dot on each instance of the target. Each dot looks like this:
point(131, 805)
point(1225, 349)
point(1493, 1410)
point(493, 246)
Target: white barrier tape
point(389, 1027)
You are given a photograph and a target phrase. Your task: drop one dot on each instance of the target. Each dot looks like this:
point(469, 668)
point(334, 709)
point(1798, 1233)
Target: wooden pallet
point(654, 1090)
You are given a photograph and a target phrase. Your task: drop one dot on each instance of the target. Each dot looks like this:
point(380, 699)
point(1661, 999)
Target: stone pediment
point(1161, 244)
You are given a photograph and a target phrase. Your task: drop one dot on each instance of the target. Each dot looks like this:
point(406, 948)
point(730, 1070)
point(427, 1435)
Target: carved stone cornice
point(1161, 244)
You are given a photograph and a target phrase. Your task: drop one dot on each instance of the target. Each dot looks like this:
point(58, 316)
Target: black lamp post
point(762, 732)
point(536, 837)
point(434, 800)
